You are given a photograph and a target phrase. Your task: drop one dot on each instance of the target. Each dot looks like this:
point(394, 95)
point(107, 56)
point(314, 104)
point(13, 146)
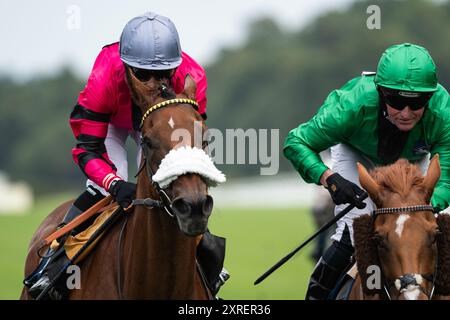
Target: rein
point(150, 203)
point(410, 277)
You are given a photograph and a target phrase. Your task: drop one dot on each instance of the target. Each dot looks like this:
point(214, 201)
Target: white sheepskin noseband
point(187, 160)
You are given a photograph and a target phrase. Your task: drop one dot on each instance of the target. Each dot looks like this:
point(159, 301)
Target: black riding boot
point(330, 267)
point(54, 261)
point(211, 256)
point(86, 200)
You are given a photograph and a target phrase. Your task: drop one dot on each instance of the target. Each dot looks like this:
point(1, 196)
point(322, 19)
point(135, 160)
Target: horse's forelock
point(401, 177)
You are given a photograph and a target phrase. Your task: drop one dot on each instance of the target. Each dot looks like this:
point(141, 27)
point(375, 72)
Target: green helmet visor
point(399, 99)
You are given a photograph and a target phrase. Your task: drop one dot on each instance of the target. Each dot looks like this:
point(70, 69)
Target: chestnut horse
point(149, 254)
point(402, 242)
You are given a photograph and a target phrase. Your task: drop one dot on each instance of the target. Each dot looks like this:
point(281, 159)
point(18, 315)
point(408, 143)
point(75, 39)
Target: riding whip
point(322, 229)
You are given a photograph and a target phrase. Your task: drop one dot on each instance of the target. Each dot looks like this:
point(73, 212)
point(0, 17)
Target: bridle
point(403, 282)
point(165, 202)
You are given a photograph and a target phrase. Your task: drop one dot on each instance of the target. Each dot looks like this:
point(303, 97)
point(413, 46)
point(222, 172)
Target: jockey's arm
point(441, 194)
point(89, 121)
point(90, 151)
point(330, 126)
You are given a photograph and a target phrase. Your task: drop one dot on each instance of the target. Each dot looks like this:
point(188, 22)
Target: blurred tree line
point(36, 139)
point(276, 79)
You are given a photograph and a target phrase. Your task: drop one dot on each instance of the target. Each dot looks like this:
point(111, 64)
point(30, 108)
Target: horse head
point(177, 165)
point(403, 237)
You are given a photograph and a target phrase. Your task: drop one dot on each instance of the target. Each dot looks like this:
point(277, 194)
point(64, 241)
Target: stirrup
point(41, 285)
point(322, 281)
point(223, 277)
point(36, 275)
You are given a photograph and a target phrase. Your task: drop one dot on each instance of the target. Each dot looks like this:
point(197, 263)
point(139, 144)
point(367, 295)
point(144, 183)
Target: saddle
point(67, 246)
point(74, 243)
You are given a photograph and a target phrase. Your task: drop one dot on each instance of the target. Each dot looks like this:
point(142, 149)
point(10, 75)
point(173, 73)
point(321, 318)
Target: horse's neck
point(157, 256)
point(158, 235)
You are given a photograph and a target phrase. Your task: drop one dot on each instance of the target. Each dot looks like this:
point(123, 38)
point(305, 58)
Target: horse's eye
point(147, 142)
point(433, 239)
point(381, 241)
point(435, 235)
point(377, 238)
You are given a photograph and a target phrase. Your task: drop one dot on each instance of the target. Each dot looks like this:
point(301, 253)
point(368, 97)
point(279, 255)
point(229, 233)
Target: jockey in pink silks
point(106, 114)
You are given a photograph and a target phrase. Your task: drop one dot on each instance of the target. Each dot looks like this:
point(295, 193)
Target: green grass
point(256, 239)
point(15, 234)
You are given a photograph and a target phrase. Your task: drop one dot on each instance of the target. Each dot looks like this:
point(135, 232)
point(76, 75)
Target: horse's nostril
point(407, 280)
point(182, 207)
point(202, 207)
point(207, 205)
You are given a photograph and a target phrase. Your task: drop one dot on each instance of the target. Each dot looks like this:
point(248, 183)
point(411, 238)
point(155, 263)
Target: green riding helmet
point(407, 67)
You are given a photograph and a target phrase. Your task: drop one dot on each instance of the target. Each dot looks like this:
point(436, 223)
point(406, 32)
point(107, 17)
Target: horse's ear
point(190, 87)
point(432, 177)
point(368, 183)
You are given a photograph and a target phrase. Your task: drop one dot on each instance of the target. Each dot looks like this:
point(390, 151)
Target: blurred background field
point(256, 239)
point(15, 234)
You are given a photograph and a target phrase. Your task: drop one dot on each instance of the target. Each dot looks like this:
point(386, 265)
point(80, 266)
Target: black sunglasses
point(144, 75)
point(399, 100)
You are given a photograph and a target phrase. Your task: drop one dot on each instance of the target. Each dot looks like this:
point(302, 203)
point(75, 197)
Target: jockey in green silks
point(401, 111)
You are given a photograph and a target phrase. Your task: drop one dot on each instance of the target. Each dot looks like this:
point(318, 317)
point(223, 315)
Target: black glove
point(123, 192)
point(344, 191)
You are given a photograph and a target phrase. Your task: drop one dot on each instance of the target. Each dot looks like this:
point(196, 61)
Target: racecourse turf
point(256, 239)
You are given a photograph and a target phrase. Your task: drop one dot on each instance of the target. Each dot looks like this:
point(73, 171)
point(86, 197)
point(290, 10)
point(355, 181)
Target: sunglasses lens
point(401, 99)
point(418, 103)
point(142, 74)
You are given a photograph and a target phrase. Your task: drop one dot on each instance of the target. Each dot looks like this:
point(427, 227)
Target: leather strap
point(100, 206)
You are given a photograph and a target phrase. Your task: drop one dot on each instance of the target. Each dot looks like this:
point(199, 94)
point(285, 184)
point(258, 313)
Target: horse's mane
point(400, 177)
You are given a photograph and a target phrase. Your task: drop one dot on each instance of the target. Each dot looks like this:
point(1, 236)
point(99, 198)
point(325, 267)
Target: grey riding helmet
point(150, 41)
